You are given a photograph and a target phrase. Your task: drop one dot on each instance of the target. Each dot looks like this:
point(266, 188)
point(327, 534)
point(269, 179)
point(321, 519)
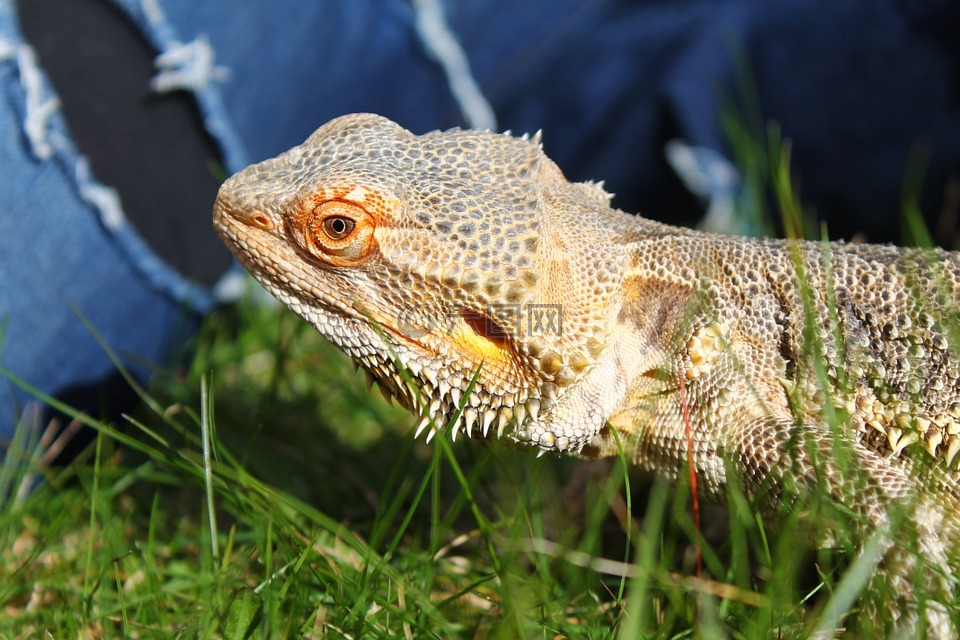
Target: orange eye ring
point(339, 232)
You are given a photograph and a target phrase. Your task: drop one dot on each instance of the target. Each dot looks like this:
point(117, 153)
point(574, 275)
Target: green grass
point(311, 512)
point(307, 510)
point(261, 491)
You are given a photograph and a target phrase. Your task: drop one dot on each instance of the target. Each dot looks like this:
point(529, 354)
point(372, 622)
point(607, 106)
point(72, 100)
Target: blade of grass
point(206, 425)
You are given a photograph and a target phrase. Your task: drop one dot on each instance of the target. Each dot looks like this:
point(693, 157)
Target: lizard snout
point(225, 209)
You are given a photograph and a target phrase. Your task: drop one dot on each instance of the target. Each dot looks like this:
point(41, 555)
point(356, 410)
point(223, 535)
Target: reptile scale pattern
point(467, 254)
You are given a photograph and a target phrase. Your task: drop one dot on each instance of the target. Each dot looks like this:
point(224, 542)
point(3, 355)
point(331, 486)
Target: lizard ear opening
point(484, 326)
point(481, 339)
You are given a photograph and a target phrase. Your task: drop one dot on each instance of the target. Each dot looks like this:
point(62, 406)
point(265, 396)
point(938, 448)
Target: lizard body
point(532, 309)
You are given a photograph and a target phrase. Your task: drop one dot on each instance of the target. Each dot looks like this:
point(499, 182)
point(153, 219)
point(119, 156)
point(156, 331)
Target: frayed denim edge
point(180, 66)
point(189, 66)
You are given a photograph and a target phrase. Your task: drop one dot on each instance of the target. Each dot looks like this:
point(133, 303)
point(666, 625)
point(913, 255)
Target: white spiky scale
point(520, 413)
point(423, 424)
point(470, 416)
point(533, 409)
point(455, 397)
point(952, 449)
point(488, 417)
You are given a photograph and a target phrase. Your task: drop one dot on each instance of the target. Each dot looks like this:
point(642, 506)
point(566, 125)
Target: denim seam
point(188, 65)
point(442, 44)
point(48, 139)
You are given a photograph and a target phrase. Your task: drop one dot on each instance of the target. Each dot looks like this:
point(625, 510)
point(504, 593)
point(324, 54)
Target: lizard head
point(438, 253)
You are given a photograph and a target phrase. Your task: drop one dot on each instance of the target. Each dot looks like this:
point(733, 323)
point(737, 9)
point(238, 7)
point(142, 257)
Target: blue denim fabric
point(859, 86)
point(66, 253)
point(856, 85)
point(68, 256)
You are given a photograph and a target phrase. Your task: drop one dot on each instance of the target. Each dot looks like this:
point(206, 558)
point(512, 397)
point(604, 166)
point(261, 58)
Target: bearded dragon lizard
point(523, 305)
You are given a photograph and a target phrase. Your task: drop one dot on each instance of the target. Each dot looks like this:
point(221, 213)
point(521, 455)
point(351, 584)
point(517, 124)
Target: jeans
point(857, 86)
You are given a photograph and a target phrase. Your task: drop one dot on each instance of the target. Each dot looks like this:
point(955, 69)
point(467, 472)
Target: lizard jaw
point(448, 396)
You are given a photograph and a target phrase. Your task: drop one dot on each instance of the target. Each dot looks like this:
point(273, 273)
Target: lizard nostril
point(261, 221)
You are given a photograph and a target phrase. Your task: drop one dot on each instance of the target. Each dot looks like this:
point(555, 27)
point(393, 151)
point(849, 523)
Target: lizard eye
point(337, 231)
point(338, 227)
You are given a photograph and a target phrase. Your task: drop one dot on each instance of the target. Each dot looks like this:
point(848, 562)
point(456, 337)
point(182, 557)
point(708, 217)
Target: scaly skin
point(467, 254)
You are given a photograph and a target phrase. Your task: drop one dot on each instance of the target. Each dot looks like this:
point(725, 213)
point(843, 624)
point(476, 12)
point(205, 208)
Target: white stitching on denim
point(40, 103)
point(149, 16)
point(152, 11)
point(46, 134)
point(442, 44)
point(711, 177)
point(7, 50)
point(103, 198)
point(187, 66)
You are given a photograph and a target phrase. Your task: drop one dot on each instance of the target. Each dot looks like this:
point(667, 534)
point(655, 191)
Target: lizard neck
point(667, 339)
